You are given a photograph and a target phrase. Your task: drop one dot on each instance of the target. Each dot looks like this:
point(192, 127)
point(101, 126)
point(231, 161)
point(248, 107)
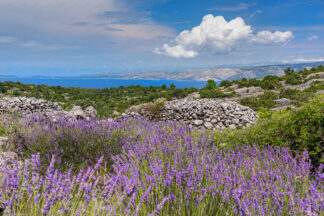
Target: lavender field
point(137, 167)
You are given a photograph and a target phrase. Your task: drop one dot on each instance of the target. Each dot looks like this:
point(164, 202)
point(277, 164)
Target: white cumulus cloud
point(216, 35)
point(267, 37)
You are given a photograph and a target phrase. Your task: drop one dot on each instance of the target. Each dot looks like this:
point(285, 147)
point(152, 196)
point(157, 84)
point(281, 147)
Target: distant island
point(217, 74)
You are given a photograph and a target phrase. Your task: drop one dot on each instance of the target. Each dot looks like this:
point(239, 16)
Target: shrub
point(289, 71)
point(154, 109)
point(300, 129)
point(293, 79)
point(210, 84)
point(225, 83)
point(178, 93)
point(270, 82)
point(214, 93)
point(78, 143)
point(266, 100)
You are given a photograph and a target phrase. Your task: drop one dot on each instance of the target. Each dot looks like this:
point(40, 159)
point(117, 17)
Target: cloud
point(267, 37)
point(309, 60)
point(312, 37)
point(80, 18)
point(216, 35)
point(177, 51)
point(6, 39)
point(255, 13)
point(126, 17)
point(239, 7)
point(146, 31)
point(33, 44)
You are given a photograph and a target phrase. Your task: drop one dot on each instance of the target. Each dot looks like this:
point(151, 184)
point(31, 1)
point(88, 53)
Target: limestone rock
point(90, 112)
point(208, 125)
point(232, 126)
point(4, 143)
point(198, 122)
point(116, 113)
point(77, 112)
point(282, 102)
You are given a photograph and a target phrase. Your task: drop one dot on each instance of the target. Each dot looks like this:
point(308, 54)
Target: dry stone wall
point(27, 106)
point(204, 113)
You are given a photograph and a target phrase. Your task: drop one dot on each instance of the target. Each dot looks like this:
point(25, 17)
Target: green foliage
point(299, 97)
point(289, 71)
point(178, 93)
point(265, 100)
point(163, 87)
point(249, 83)
point(154, 108)
point(225, 83)
point(306, 72)
point(213, 93)
point(270, 82)
point(293, 80)
point(300, 129)
point(210, 84)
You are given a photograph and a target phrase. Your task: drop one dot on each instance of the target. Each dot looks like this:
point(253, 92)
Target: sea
point(103, 83)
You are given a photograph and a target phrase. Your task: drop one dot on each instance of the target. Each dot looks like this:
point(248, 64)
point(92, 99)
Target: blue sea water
point(102, 83)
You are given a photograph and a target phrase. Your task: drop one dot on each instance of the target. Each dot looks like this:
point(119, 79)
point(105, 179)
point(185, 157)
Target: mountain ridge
point(217, 74)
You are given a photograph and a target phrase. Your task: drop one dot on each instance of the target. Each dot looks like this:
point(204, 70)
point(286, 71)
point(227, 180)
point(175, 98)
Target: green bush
point(213, 93)
point(300, 129)
point(293, 79)
point(270, 82)
point(265, 100)
point(210, 84)
point(225, 83)
point(154, 109)
point(178, 93)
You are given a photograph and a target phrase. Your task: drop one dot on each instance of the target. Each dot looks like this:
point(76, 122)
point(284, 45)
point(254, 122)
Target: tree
point(289, 71)
point(225, 83)
point(210, 84)
point(163, 86)
point(244, 79)
point(172, 86)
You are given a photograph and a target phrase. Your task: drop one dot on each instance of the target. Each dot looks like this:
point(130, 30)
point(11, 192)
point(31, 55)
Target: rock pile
point(244, 92)
point(206, 113)
point(283, 104)
point(27, 106)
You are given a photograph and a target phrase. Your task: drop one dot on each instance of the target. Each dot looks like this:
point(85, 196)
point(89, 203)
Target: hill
point(217, 74)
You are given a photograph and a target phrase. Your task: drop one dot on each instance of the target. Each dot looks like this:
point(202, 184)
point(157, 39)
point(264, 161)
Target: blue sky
point(75, 37)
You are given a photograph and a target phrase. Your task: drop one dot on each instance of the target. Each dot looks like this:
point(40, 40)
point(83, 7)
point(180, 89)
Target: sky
point(79, 37)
